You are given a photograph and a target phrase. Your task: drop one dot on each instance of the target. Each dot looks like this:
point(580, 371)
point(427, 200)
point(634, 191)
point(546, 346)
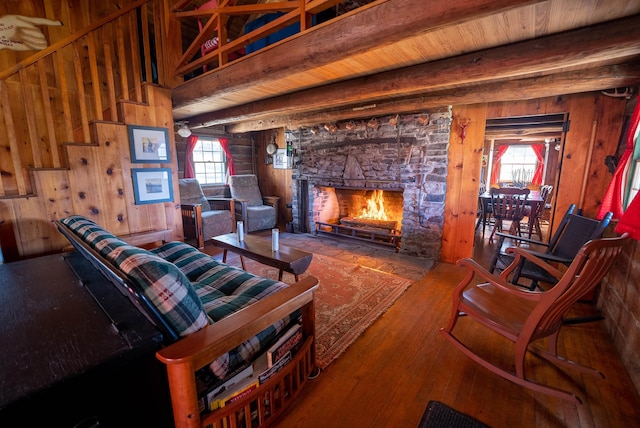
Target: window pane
point(518, 164)
point(209, 161)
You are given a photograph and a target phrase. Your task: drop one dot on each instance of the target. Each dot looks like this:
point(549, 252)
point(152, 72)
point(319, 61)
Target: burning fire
point(375, 207)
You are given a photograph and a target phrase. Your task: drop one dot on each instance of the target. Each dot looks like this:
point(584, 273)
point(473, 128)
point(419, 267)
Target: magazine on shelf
point(210, 387)
point(289, 342)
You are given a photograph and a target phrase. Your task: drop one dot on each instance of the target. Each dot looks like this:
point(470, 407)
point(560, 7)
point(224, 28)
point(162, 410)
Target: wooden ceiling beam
point(598, 78)
point(374, 27)
point(613, 41)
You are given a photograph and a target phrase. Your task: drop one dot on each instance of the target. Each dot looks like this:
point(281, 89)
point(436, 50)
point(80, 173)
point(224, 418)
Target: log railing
point(50, 98)
point(214, 24)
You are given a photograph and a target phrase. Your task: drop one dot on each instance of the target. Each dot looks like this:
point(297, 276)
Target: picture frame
point(280, 159)
point(152, 185)
point(149, 144)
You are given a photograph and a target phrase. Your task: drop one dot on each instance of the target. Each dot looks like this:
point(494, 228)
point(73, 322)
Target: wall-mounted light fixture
point(183, 129)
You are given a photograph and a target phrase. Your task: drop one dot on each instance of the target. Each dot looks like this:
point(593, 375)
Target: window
point(633, 185)
point(209, 161)
point(518, 164)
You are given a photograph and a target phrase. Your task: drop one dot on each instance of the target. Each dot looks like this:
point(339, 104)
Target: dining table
point(533, 199)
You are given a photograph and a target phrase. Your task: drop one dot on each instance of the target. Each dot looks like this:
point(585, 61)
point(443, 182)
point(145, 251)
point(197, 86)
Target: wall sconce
point(183, 129)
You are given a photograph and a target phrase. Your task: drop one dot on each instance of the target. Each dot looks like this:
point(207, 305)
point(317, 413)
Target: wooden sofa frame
point(184, 356)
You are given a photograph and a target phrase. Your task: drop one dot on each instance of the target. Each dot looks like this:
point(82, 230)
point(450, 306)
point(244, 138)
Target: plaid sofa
point(187, 287)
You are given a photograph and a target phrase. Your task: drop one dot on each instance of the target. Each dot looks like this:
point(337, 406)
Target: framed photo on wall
point(152, 185)
point(149, 144)
point(280, 159)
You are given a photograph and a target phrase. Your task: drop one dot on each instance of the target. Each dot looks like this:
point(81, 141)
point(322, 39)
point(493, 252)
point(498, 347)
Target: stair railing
point(50, 98)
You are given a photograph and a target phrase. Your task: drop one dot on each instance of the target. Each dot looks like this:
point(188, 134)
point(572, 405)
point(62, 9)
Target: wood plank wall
point(98, 184)
point(591, 114)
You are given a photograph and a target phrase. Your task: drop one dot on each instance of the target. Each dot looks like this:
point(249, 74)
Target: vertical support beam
point(29, 108)
point(463, 181)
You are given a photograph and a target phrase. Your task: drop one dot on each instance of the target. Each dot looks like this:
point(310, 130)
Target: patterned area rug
point(349, 299)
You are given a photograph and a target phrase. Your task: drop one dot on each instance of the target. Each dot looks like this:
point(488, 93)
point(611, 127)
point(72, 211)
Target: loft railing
point(218, 28)
point(51, 97)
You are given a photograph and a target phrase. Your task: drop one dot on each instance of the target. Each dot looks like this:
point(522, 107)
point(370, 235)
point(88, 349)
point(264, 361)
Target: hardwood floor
point(387, 377)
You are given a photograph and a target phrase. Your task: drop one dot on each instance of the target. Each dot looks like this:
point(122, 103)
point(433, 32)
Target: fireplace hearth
point(374, 216)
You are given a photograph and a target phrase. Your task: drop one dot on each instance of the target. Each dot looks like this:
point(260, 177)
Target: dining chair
point(524, 317)
point(508, 204)
point(534, 212)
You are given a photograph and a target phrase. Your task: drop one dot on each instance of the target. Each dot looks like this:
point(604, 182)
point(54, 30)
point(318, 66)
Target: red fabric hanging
point(224, 142)
point(188, 156)
point(538, 149)
point(630, 220)
point(495, 174)
point(612, 200)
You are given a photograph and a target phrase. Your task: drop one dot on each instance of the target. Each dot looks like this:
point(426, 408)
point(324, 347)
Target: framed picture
point(152, 185)
point(280, 159)
point(149, 144)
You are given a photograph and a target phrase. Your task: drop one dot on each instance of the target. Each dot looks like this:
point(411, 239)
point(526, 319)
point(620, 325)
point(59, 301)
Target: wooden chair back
point(507, 203)
point(585, 272)
point(574, 231)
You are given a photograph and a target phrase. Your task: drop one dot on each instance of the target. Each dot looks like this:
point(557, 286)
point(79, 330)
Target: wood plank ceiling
point(400, 56)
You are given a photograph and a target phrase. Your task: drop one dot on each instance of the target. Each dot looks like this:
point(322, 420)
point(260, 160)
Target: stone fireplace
point(337, 168)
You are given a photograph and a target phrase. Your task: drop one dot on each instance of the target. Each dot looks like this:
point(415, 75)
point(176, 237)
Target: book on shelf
point(239, 391)
point(289, 342)
point(210, 388)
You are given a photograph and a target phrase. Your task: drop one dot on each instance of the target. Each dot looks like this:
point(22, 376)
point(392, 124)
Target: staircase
point(63, 123)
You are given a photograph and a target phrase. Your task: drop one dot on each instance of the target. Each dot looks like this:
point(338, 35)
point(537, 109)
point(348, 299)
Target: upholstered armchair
point(204, 217)
point(257, 212)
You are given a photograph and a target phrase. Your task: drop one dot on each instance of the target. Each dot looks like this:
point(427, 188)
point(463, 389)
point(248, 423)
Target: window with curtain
point(518, 164)
point(209, 161)
point(633, 185)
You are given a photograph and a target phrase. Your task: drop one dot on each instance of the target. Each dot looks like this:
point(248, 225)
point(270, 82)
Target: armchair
point(202, 217)
point(256, 211)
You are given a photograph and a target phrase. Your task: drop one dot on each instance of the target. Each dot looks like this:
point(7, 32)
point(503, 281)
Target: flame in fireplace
point(375, 207)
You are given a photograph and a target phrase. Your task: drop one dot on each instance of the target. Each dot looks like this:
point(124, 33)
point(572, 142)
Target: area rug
point(439, 415)
point(348, 300)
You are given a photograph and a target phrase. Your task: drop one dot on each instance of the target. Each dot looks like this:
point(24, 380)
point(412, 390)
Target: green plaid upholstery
point(168, 289)
point(189, 288)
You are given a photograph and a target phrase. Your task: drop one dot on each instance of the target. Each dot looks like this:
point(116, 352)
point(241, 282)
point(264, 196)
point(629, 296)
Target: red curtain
point(224, 142)
point(500, 150)
point(538, 149)
point(630, 220)
point(188, 156)
point(612, 200)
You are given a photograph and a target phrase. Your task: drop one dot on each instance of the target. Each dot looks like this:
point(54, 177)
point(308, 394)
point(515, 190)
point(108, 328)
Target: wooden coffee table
point(258, 248)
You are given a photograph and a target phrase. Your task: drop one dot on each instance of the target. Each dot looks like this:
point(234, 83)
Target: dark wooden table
point(258, 248)
point(533, 200)
point(64, 338)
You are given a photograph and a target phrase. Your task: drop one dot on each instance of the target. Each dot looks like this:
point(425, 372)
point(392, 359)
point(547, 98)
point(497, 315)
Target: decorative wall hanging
point(152, 185)
point(19, 33)
point(149, 144)
point(280, 159)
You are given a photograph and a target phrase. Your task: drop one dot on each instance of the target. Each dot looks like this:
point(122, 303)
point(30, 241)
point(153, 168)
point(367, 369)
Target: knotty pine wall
point(97, 184)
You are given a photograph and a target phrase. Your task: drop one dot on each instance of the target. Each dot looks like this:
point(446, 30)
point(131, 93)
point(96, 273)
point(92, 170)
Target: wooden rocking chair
point(523, 316)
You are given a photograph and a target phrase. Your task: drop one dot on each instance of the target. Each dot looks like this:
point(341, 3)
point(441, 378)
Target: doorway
point(524, 151)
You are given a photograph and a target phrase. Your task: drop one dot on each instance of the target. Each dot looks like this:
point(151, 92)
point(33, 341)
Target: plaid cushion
point(189, 288)
point(167, 288)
